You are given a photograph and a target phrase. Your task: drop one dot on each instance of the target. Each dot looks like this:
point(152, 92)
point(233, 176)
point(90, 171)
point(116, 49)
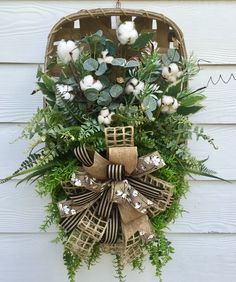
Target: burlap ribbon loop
point(117, 193)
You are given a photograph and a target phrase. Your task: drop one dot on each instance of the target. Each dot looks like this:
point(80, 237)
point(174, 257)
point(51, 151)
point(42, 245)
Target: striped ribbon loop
point(111, 234)
point(116, 172)
point(83, 156)
point(147, 189)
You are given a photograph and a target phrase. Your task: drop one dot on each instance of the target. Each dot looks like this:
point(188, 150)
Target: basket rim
point(98, 12)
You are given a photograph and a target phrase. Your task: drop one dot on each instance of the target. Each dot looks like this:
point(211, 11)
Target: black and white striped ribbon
point(111, 234)
point(105, 206)
point(83, 156)
point(116, 172)
point(146, 189)
point(69, 223)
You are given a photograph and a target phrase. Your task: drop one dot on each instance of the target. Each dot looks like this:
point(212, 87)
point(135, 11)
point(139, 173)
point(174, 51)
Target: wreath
point(114, 158)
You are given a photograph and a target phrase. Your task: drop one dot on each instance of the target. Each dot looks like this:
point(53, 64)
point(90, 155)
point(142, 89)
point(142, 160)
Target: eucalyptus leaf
point(111, 47)
point(118, 62)
point(90, 64)
point(116, 90)
point(91, 94)
point(150, 103)
point(101, 69)
point(114, 106)
point(132, 64)
point(142, 40)
point(104, 98)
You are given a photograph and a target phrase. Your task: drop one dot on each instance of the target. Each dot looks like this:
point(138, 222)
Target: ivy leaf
point(101, 69)
point(116, 90)
point(104, 98)
point(118, 62)
point(91, 94)
point(132, 64)
point(142, 40)
point(90, 64)
point(188, 110)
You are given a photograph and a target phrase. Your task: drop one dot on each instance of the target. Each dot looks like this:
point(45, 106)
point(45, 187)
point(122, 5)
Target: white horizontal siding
point(205, 237)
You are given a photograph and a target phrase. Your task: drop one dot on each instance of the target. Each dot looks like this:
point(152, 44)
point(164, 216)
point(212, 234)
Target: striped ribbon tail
point(83, 156)
point(105, 206)
point(111, 234)
point(69, 223)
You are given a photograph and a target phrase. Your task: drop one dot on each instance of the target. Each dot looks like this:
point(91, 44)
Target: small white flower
point(137, 205)
point(78, 183)
point(105, 59)
point(135, 193)
point(67, 51)
point(143, 211)
point(73, 212)
point(168, 104)
point(171, 73)
point(155, 160)
point(126, 33)
point(89, 82)
point(65, 91)
point(134, 87)
point(105, 117)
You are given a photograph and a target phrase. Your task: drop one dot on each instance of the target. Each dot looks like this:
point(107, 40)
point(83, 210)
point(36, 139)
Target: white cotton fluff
point(67, 51)
point(168, 104)
point(134, 87)
point(65, 91)
point(105, 59)
point(89, 82)
point(171, 73)
point(105, 117)
point(126, 33)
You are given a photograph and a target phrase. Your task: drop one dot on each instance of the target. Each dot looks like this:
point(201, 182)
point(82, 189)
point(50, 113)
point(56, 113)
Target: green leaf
point(39, 72)
point(132, 64)
point(142, 40)
point(48, 81)
point(90, 64)
point(101, 69)
point(191, 100)
point(116, 90)
point(104, 98)
point(111, 47)
point(188, 110)
point(119, 62)
point(91, 94)
point(174, 89)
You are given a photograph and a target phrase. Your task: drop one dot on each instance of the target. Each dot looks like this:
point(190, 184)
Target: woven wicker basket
point(89, 21)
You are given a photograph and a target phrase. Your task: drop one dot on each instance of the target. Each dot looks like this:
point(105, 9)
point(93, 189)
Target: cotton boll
point(100, 119)
point(174, 69)
point(134, 87)
point(126, 33)
point(167, 100)
point(175, 104)
point(67, 51)
point(105, 112)
point(105, 59)
point(89, 82)
point(98, 85)
point(65, 91)
point(105, 117)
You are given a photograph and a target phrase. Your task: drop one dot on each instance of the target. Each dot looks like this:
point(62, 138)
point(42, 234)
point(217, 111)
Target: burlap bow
point(110, 200)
